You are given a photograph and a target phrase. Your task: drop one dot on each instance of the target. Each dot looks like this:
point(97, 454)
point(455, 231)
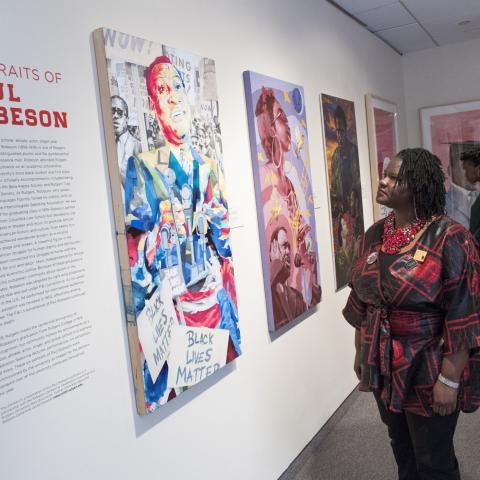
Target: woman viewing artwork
point(415, 304)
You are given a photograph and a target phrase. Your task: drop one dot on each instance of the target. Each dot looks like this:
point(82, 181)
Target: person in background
point(415, 306)
point(461, 194)
point(471, 166)
point(195, 144)
point(127, 144)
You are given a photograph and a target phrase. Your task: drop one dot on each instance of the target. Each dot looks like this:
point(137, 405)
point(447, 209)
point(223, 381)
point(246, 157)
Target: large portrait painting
point(448, 131)
point(284, 197)
point(382, 124)
point(163, 137)
point(345, 192)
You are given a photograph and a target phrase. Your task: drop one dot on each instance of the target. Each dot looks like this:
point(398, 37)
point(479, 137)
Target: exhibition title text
point(30, 117)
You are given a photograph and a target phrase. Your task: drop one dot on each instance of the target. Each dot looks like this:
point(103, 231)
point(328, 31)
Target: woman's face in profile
point(389, 193)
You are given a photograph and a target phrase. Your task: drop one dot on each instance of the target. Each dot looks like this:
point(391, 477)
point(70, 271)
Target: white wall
point(439, 76)
point(260, 413)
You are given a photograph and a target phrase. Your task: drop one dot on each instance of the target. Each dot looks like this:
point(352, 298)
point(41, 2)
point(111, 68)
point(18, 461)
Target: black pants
point(422, 446)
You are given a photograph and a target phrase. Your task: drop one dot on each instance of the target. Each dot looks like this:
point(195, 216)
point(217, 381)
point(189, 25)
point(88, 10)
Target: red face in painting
point(171, 105)
point(280, 249)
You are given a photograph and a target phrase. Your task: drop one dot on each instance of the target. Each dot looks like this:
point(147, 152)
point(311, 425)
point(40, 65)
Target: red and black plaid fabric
point(412, 313)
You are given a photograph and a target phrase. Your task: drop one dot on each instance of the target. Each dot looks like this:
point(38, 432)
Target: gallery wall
point(250, 420)
point(439, 76)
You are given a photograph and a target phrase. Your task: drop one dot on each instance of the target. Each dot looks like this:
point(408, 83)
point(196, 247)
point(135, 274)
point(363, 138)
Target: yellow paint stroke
point(276, 208)
point(295, 221)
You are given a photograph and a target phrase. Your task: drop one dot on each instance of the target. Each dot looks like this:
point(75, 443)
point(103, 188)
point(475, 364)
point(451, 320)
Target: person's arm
point(354, 312)
point(453, 365)
point(461, 281)
point(444, 396)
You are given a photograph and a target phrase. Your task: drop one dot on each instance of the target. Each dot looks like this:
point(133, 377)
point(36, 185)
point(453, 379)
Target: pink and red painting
point(284, 197)
point(448, 131)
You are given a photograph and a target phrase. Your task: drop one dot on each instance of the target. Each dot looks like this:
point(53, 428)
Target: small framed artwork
point(382, 124)
point(448, 131)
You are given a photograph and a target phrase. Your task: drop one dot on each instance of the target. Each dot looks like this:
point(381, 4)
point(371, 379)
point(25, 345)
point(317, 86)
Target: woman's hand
point(444, 399)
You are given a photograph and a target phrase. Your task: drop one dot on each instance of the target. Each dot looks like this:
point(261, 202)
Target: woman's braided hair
point(421, 173)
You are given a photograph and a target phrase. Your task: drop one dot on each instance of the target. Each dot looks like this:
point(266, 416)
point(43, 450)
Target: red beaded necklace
point(394, 239)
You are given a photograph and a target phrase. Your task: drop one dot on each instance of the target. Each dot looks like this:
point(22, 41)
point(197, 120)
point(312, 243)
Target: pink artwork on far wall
point(452, 128)
point(386, 138)
point(448, 131)
point(382, 123)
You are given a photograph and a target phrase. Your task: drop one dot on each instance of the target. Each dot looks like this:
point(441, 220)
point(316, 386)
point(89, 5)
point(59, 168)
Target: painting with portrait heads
point(163, 139)
point(448, 131)
point(284, 197)
point(345, 192)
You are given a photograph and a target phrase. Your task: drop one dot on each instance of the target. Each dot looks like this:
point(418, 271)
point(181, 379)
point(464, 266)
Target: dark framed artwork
point(344, 187)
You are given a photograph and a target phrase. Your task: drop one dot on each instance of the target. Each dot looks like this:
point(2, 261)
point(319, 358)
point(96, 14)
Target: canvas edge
point(116, 198)
point(256, 181)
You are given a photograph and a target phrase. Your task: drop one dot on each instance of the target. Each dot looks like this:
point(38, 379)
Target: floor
point(354, 445)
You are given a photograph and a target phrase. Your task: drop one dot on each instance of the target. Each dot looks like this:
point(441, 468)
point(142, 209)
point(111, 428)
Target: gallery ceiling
point(410, 25)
